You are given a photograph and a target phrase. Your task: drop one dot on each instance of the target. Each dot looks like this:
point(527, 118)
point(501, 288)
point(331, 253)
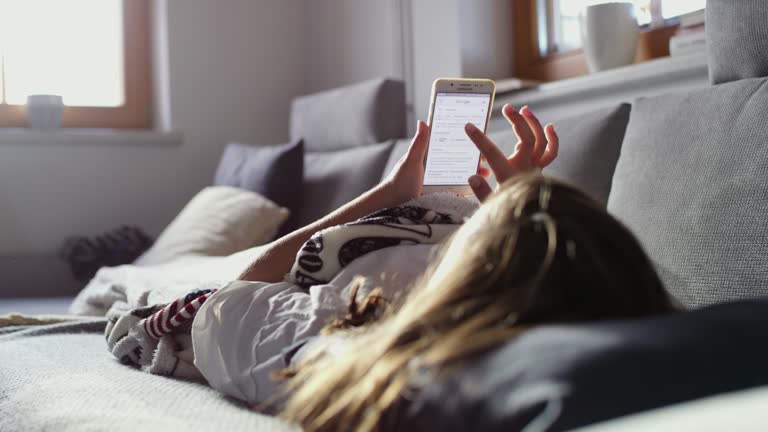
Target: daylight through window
point(560, 18)
point(72, 48)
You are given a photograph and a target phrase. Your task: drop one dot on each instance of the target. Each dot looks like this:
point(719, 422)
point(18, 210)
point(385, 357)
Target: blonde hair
point(537, 252)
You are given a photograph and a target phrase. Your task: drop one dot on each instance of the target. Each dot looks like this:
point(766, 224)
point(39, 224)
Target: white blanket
point(138, 286)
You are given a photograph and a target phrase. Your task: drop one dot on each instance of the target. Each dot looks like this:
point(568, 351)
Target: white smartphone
point(451, 157)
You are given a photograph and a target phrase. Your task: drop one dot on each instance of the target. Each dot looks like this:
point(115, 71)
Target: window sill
point(81, 137)
point(663, 71)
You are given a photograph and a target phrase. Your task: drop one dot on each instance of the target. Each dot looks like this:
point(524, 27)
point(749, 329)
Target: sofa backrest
point(352, 116)
point(737, 39)
point(348, 135)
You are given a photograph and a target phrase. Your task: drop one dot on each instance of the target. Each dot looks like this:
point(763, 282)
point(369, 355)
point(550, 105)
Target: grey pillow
point(737, 34)
point(352, 116)
point(589, 147)
point(692, 183)
point(275, 172)
point(332, 179)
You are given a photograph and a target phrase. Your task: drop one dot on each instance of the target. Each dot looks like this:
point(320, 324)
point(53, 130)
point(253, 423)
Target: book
point(688, 43)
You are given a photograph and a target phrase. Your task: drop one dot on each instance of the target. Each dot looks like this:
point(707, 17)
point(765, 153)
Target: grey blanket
point(59, 377)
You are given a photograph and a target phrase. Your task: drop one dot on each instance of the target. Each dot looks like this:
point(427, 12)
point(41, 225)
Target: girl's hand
point(536, 148)
point(405, 181)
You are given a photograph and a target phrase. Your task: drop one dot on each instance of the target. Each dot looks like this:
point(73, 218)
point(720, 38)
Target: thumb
point(420, 141)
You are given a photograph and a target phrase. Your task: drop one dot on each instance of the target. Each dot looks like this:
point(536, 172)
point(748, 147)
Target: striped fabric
point(177, 315)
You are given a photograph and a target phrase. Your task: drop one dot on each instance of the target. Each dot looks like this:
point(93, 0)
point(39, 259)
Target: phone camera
point(451, 84)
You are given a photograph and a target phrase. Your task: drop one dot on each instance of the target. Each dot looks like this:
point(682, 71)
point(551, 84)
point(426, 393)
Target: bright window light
point(567, 29)
point(71, 48)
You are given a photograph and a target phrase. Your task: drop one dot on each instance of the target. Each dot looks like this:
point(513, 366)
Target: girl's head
point(538, 251)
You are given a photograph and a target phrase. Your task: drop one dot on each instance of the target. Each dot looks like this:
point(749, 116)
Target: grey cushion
point(275, 172)
point(332, 179)
point(589, 147)
point(352, 116)
point(692, 183)
point(737, 33)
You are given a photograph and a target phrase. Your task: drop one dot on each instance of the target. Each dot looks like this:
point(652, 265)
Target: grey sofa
point(687, 172)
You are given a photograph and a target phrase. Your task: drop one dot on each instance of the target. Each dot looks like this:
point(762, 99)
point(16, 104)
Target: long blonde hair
point(538, 251)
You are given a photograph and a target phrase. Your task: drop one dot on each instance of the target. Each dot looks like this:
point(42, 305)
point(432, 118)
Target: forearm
point(277, 258)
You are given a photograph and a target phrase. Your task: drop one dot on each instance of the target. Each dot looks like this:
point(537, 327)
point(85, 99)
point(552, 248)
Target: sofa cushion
point(589, 147)
point(555, 378)
point(737, 36)
point(332, 179)
point(276, 171)
point(352, 116)
point(692, 184)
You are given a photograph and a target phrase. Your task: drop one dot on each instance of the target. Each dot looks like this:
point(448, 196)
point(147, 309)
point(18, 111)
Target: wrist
point(388, 195)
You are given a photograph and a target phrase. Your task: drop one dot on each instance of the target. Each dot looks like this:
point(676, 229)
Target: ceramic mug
point(609, 34)
point(44, 111)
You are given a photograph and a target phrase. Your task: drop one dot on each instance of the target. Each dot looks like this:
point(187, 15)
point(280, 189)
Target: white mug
point(44, 111)
point(609, 34)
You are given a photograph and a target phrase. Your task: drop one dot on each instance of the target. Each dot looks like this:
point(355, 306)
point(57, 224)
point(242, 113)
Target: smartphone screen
point(451, 157)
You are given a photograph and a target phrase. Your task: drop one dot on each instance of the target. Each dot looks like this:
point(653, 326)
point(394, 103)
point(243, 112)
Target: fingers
point(496, 159)
point(480, 187)
point(534, 124)
point(553, 146)
point(521, 160)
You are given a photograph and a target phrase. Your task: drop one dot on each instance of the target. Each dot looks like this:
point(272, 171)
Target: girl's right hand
point(536, 148)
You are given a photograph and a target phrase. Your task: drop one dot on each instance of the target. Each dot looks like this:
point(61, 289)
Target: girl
point(536, 252)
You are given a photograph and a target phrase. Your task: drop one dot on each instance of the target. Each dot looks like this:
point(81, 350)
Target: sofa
point(686, 171)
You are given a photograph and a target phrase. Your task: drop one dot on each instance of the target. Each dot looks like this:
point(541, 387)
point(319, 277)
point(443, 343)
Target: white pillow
point(218, 221)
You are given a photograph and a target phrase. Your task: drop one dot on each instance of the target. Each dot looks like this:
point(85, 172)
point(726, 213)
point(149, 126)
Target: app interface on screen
point(452, 157)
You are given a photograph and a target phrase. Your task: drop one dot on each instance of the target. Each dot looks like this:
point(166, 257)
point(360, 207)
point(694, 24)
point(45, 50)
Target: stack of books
point(690, 38)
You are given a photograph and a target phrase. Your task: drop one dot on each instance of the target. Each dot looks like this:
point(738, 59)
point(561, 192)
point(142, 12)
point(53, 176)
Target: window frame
point(136, 111)
point(530, 64)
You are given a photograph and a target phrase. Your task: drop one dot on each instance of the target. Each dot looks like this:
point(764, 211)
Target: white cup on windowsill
point(44, 111)
point(609, 34)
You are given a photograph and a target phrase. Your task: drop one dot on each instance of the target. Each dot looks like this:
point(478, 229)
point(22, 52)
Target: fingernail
point(526, 111)
point(474, 181)
point(469, 127)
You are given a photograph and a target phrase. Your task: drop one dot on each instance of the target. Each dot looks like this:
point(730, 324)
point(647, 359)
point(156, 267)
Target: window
point(93, 53)
point(548, 33)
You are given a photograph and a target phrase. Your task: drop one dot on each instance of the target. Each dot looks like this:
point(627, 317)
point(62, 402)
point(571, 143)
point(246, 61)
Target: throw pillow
point(218, 221)
point(692, 184)
point(276, 172)
point(332, 179)
point(589, 148)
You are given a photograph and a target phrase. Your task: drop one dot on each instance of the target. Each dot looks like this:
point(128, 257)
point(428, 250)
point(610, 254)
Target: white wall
point(351, 40)
point(458, 38)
